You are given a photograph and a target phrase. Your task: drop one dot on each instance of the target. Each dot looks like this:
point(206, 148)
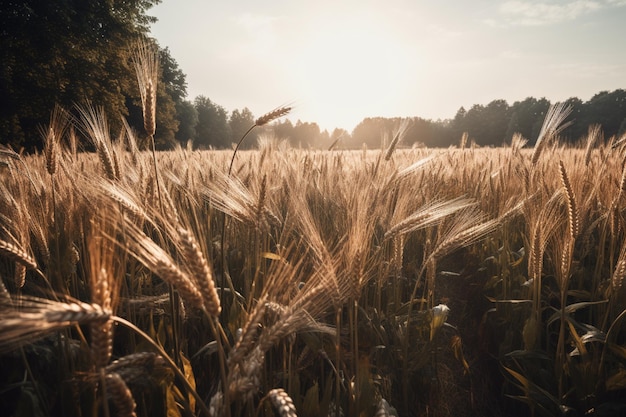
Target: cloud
point(539, 13)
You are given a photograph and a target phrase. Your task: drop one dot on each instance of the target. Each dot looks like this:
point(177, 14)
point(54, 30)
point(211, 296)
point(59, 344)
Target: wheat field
point(413, 282)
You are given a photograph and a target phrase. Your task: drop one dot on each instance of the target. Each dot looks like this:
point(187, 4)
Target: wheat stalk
point(52, 136)
point(106, 158)
point(40, 241)
point(104, 291)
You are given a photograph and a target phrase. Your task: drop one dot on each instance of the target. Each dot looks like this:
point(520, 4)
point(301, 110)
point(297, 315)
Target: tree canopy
point(73, 51)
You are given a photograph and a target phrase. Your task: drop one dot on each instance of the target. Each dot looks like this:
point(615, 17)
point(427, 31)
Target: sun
point(349, 69)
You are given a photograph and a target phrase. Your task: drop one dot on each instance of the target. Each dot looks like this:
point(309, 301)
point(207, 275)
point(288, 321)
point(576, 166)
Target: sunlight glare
point(350, 63)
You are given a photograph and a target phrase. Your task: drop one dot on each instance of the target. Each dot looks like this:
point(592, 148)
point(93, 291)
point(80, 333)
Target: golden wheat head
point(273, 115)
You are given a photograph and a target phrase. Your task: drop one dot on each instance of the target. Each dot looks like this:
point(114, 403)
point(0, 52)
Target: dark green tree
point(283, 130)
point(369, 132)
point(171, 95)
point(305, 134)
point(457, 125)
point(339, 138)
point(64, 53)
point(474, 123)
point(526, 118)
point(239, 122)
point(212, 129)
point(622, 128)
point(496, 120)
point(429, 133)
point(576, 129)
point(607, 109)
point(188, 120)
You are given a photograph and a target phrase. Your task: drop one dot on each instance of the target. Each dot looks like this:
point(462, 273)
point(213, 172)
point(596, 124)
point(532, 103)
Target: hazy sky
point(340, 61)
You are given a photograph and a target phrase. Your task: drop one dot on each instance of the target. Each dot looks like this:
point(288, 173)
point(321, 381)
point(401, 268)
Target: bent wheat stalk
point(261, 121)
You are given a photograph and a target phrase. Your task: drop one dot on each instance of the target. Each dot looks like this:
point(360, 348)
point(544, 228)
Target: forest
point(67, 53)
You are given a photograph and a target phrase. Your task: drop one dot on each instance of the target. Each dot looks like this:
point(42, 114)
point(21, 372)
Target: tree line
point(495, 124)
point(74, 52)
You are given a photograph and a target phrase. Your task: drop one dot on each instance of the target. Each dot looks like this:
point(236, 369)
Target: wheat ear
point(282, 402)
point(51, 152)
point(94, 125)
point(153, 257)
point(102, 332)
point(273, 115)
point(396, 139)
point(617, 280)
point(595, 131)
point(37, 317)
point(20, 275)
point(118, 392)
point(248, 336)
point(146, 62)
point(201, 271)
point(572, 207)
point(552, 125)
point(5, 297)
point(136, 366)
point(149, 111)
point(52, 137)
point(428, 215)
point(17, 254)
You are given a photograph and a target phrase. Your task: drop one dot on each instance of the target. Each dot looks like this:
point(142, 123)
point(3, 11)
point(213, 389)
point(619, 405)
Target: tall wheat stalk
point(52, 151)
point(261, 121)
point(573, 227)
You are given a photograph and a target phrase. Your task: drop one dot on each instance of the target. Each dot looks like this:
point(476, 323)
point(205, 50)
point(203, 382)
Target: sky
point(339, 61)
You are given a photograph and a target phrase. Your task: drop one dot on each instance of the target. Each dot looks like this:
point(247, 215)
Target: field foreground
point(466, 282)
